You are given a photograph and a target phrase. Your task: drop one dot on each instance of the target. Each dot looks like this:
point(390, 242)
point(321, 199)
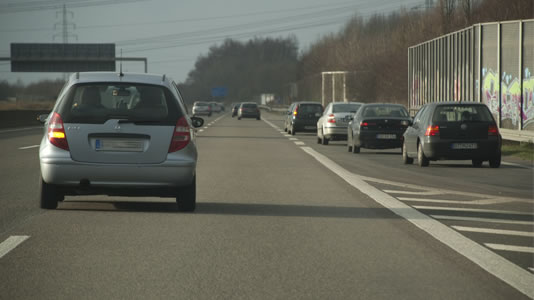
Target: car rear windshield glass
point(462, 113)
point(249, 106)
point(310, 108)
point(96, 103)
point(348, 107)
point(201, 104)
point(387, 111)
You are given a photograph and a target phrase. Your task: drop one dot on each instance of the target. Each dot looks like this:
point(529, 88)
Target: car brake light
point(331, 118)
point(296, 111)
point(493, 130)
point(181, 135)
point(432, 130)
point(56, 132)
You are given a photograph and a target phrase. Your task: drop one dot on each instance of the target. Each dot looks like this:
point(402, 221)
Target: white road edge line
point(11, 243)
point(19, 129)
point(493, 231)
point(29, 147)
point(510, 248)
point(531, 269)
point(488, 260)
point(487, 220)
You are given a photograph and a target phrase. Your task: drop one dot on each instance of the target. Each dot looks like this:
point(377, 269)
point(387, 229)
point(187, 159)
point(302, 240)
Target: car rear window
point(387, 111)
point(462, 113)
point(250, 105)
point(201, 104)
point(346, 107)
point(310, 108)
point(96, 103)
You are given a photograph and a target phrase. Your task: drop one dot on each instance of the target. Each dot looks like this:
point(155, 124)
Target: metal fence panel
point(490, 76)
point(510, 79)
point(528, 76)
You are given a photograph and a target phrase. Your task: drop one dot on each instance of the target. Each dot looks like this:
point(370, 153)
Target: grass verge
point(520, 150)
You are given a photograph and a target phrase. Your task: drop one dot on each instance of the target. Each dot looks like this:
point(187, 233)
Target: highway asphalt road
point(278, 216)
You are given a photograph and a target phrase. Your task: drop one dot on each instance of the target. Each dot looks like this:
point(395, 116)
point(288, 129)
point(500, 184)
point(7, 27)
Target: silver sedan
point(119, 135)
point(333, 123)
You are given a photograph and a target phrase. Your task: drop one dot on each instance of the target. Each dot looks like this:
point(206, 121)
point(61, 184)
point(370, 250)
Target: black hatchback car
point(453, 131)
point(377, 126)
point(303, 116)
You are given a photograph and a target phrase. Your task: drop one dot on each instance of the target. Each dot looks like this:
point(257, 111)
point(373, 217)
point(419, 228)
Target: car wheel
point(405, 158)
point(258, 118)
point(187, 197)
point(49, 195)
point(285, 129)
point(324, 140)
point(318, 140)
point(293, 130)
point(495, 162)
point(422, 160)
point(239, 118)
point(477, 163)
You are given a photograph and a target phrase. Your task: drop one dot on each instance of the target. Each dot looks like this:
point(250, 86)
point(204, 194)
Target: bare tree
point(447, 8)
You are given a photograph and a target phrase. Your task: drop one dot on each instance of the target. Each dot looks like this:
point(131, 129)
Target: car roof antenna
point(120, 66)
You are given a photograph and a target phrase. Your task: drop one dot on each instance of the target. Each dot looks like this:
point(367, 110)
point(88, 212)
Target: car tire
point(49, 195)
point(477, 163)
point(324, 140)
point(239, 118)
point(292, 130)
point(495, 162)
point(258, 118)
point(285, 129)
point(405, 158)
point(318, 140)
point(422, 160)
point(187, 197)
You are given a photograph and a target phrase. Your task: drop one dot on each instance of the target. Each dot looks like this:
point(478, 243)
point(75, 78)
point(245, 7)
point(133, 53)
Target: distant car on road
point(455, 131)
point(201, 108)
point(377, 126)
point(215, 107)
point(248, 110)
point(333, 123)
point(302, 116)
point(235, 108)
point(95, 145)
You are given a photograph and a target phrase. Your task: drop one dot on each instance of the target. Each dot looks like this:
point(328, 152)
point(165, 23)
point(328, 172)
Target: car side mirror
point(42, 118)
point(197, 122)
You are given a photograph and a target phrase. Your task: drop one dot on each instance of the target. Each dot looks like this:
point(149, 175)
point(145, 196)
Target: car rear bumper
point(249, 115)
point(442, 149)
point(370, 140)
point(304, 125)
point(69, 173)
point(337, 132)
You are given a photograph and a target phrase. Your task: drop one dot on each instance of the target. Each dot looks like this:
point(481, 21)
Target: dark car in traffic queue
point(249, 110)
point(377, 126)
point(453, 131)
point(303, 116)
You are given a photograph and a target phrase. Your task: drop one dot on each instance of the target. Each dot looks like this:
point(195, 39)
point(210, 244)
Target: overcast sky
point(171, 34)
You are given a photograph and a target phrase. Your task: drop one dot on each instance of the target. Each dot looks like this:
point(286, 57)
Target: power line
point(16, 7)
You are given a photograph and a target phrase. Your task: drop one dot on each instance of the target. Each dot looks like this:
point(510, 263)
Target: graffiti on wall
point(490, 90)
point(510, 89)
point(528, 98)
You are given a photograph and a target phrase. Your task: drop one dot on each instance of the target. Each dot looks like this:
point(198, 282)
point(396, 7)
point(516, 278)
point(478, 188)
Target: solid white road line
point(510, 248)
point(300, 143)
point(467, 202)
point(11, 243)
point(508, 212)
point(486, 220)
point(494, 231)
point(493, 263)
point(428, 193)
point(29, 147)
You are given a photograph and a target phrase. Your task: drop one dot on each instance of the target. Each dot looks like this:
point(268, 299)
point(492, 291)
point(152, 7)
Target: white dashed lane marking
point(510, 248)
point(485, 220)
point(493, 231)
point(11, 243)
point(29, 147)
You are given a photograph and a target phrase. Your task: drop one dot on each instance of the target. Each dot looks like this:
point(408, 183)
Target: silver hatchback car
point(119, 135)
point(333, 123)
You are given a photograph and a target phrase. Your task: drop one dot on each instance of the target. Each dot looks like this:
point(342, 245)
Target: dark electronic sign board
point(33, 57)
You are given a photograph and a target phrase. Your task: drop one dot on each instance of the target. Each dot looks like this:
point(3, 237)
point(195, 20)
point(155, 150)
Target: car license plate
point(310, 127)
point(464, 146)
point(384, 136)
point(125, 145)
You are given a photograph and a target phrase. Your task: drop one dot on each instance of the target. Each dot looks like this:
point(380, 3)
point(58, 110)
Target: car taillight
point(181, 135)
point(493, 130)
point(331, 118)
point(296, 111)
point(366, 124)
point(432, 130)
point(56, 132)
